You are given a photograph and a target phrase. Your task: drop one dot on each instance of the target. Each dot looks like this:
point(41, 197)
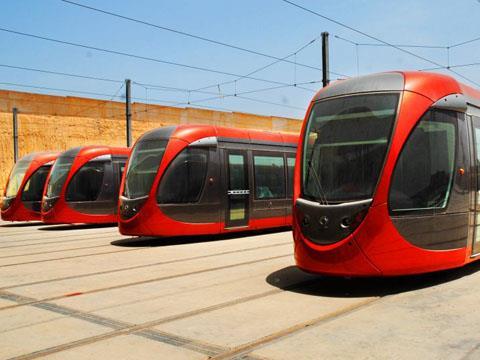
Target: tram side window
point(423, 175)
point(290, 172)
point(184, 178)
point(269, 176)
point(86, 184)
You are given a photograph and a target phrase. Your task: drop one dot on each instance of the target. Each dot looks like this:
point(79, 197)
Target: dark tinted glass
point(87, 182)
point(476, 169)
point(238, 189)
point(184, 179)
point(345, 146)
point(33, 189)
point(142, 167)
point(16, 177)
point(476, 138)
point(269, 176)
point(423, 175)
point(290, 174)
point(237, 179)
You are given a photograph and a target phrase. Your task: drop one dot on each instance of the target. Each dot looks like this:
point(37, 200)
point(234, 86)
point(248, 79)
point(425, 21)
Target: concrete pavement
point(82, 292)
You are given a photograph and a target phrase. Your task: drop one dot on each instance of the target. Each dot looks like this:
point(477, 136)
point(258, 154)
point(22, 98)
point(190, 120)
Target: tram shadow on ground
point(22, 224)
point(329, 286)
point(65, 227)
point(150, 241)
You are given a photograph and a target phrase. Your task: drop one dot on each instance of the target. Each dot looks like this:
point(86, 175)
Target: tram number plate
point(238, 192)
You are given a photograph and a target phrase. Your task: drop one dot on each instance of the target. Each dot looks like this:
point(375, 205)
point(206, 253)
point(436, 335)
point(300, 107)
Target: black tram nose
point(130, 207)
point(7, 202)
point(328, 224)
point(48, 203)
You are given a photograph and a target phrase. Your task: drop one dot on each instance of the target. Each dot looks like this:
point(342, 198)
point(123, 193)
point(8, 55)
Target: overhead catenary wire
point(144, 85)
point(303, 47)
point(175, 103)
point(223, 96)
point(146, 58)
point(111, 98)
point(339, 23)
point(452, 66)
point(185, 90)
point(412, 45)
point(448, 66)
point(198, 37)
point(121, 53)
point(184, 33)
point(237, 94)
point(465, 42)
point(51, 72)
point(154, 87)
point(189, 91)
point(284, 59)
point(360, 32)
point(122, 113)
point(385, 45)
point(157, 102)
point(55, 89)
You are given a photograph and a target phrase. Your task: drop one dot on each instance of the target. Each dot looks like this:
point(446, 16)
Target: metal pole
point(128, 111)
point(325, 60)
point(15, 134)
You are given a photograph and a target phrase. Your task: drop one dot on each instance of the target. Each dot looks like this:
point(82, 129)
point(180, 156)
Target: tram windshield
point(345, 146)
point(142, 167)
point(16, 177)
point(33, 189)
point(59, 172)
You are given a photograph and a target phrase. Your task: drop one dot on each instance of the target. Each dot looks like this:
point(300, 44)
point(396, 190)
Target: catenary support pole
point(128, 111)
point(325, 60)
point(15, 134)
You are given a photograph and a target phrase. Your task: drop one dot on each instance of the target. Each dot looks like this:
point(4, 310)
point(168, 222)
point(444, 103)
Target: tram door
point(238, 189)
point(476, 186)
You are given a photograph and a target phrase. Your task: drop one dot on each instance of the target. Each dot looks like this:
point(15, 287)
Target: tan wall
point(57, 123)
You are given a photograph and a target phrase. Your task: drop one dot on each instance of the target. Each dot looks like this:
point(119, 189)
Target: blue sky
point(268, 26)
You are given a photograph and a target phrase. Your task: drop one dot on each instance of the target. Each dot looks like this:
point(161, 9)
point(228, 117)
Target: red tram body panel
point(83, 186)
point(388, 179)
point(24, 188)
point(199, 179)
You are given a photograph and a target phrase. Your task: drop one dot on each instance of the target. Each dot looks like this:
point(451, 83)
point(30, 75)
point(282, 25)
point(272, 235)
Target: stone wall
point(48, 122)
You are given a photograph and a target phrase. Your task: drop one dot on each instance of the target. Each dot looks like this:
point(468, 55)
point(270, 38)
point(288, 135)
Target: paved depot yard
point(77, 292)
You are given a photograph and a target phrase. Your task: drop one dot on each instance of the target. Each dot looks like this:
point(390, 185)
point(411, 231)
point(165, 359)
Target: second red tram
point(196, 179)
point(388, 179)
point(23, 192)
point(83, 185)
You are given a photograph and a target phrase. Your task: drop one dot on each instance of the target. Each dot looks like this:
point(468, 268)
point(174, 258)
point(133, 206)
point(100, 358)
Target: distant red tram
point(388, 178)
point(83, 185)
point(198, 179)
point(24, 189)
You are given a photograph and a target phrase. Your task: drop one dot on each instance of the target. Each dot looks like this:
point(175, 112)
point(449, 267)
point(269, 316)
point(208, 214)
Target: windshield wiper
point(323, 197)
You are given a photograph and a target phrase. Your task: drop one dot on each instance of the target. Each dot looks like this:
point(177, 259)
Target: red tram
point(388, 178)
point(23, 192)
point(83, 185)
point(195, 179)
